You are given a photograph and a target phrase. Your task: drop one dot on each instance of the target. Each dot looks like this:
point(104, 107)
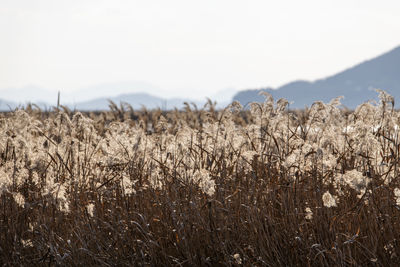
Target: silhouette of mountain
point(97, 97)
point(136, 100)
point(35, 94)
point(356, 84)
point(108, 90)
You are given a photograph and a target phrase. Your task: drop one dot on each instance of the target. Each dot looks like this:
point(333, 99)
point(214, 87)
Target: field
point(260, 185)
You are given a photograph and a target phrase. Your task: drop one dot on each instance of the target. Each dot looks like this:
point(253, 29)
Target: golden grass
point(263, 187)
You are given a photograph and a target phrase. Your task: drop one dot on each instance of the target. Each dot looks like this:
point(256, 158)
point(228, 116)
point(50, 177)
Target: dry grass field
point(262, 186)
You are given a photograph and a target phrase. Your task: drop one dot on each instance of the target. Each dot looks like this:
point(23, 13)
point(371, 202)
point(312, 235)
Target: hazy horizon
point(188, 49)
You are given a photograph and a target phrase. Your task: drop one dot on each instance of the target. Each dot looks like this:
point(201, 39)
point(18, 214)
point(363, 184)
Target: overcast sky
point(189, 48)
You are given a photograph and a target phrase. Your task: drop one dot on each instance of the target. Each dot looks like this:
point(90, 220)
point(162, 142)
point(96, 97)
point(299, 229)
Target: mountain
point(97, 97)
point(121, 91)
point(136, 100)
point(356, 84)
point(35, 94)
point(107, 90)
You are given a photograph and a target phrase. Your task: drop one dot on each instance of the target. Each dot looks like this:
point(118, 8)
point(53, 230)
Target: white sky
point(189, 48)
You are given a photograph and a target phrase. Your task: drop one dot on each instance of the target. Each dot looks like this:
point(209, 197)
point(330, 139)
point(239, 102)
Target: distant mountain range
point(97, 97)
point(136, 100)
point(356, 84)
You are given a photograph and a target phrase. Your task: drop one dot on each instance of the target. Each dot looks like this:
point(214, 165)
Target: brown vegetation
point(263, 187)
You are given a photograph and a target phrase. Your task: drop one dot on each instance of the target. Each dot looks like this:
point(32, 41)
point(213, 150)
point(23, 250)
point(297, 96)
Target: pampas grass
point(264, 187)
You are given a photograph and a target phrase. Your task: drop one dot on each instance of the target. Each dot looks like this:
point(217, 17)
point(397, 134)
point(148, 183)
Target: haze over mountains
point(97, 97)
point(356, 84)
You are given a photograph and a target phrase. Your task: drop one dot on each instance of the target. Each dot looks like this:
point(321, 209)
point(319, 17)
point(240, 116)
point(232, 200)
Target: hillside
point(136, 100)
point(356, 84)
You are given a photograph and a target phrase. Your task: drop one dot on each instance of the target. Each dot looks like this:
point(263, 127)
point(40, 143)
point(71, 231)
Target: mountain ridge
point(356, 84)
point(136, 100)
